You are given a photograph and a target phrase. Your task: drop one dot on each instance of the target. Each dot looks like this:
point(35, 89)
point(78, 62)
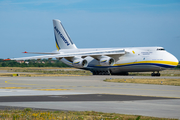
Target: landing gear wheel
point(95, 73)
point(158, 74)
point(107, 73)
point(103, 73)
point(100, 72)
point(153, 74)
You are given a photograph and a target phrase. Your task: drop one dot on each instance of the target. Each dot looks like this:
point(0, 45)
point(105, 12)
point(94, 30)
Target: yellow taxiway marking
point(18, 83)
point(14, 88)
point(52, 89)
point(7, 82)
point(33, 89)
point(107, 87)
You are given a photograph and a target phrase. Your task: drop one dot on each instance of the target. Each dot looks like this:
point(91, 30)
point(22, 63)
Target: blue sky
point(27, 25)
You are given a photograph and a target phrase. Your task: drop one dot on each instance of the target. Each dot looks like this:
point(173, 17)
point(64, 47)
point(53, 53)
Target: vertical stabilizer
point(63, 41)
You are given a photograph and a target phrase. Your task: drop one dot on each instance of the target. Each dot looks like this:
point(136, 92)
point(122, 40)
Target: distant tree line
point(39, 63)
point(178, 67)
point(32, 63)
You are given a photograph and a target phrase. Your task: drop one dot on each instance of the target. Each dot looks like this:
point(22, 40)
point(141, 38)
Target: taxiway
point(90, 93)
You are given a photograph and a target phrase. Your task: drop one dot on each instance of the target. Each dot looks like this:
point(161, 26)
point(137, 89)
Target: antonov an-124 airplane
point(107, 61)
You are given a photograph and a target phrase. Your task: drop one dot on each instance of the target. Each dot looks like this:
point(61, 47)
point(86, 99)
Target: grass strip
point(30, 114)
point(37, 68)
point(159, 81)
point(74, 71)
point(70, 72)
point(37, 75)
point(163, 73)
point(41, 72)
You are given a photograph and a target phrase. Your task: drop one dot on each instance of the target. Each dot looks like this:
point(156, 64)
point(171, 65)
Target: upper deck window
point(161, 49)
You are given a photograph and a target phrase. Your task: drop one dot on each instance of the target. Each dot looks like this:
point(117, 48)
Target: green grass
point(149, 74)
point(56, 71)
point(40, 71)
point(159, 81)
point(71, 72)
point(29, 114)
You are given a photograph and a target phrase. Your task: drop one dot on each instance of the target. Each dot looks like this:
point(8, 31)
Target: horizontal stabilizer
point(50, 53)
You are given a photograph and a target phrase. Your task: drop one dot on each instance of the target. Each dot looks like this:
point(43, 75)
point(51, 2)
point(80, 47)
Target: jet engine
point(106, 61)
point(80, 63)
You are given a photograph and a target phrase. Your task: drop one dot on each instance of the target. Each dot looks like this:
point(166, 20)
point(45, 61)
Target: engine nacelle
point(80, 63)
point(106, 61)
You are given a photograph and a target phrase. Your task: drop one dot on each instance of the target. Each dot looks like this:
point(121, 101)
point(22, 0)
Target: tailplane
point(63, 41)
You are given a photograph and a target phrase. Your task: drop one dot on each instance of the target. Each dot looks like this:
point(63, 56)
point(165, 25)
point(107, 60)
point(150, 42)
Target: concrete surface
point(59, 86)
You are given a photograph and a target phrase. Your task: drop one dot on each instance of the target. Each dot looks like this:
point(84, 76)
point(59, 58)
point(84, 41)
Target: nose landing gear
point(155, 74)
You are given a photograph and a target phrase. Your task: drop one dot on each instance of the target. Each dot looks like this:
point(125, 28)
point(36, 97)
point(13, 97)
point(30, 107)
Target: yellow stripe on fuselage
point(156, 62)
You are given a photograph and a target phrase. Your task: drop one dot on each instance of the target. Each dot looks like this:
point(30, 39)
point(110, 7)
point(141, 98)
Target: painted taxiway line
point(30, 88)
point(7, 82)
point(18, 83)
point(52, 89)
point(15, 87)
point(96, 86)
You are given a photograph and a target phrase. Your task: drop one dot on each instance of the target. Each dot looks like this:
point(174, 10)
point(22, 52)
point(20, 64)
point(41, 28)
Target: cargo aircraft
point(107, 61)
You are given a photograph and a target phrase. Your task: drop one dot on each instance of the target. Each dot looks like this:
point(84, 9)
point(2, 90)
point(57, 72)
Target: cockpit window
point(161, 49)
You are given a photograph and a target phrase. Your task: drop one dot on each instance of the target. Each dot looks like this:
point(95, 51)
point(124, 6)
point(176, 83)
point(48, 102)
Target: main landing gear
point(155, 74)
point(101, 72)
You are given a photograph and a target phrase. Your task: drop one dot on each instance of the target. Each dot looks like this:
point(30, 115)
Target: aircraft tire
point(107, 73)
point(100, 73)
point(158, 74)
point(94, 73)
point(153, 74)
point(103, 73)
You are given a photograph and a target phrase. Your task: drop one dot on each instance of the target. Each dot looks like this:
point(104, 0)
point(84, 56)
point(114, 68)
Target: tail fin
point(63, 41)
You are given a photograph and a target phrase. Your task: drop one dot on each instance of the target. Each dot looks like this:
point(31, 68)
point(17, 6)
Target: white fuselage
point(136, 59)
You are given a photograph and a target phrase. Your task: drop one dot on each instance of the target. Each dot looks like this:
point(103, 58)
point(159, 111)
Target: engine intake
point(80, 63)
point(106, 61)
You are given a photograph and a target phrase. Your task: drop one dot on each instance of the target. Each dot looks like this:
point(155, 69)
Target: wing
point(81, 54)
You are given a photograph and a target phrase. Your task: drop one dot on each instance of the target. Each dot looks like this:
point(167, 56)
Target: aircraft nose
point(175, 60)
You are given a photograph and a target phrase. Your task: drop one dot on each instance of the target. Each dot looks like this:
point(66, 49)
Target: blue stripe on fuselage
point(154, 64)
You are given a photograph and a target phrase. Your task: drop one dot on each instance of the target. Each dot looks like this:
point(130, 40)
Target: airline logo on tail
point(66, 42)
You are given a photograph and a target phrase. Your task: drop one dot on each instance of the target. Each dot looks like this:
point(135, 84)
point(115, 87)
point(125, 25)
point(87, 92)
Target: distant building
point(20, 61)
point(37, 61)
point(52, 61)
